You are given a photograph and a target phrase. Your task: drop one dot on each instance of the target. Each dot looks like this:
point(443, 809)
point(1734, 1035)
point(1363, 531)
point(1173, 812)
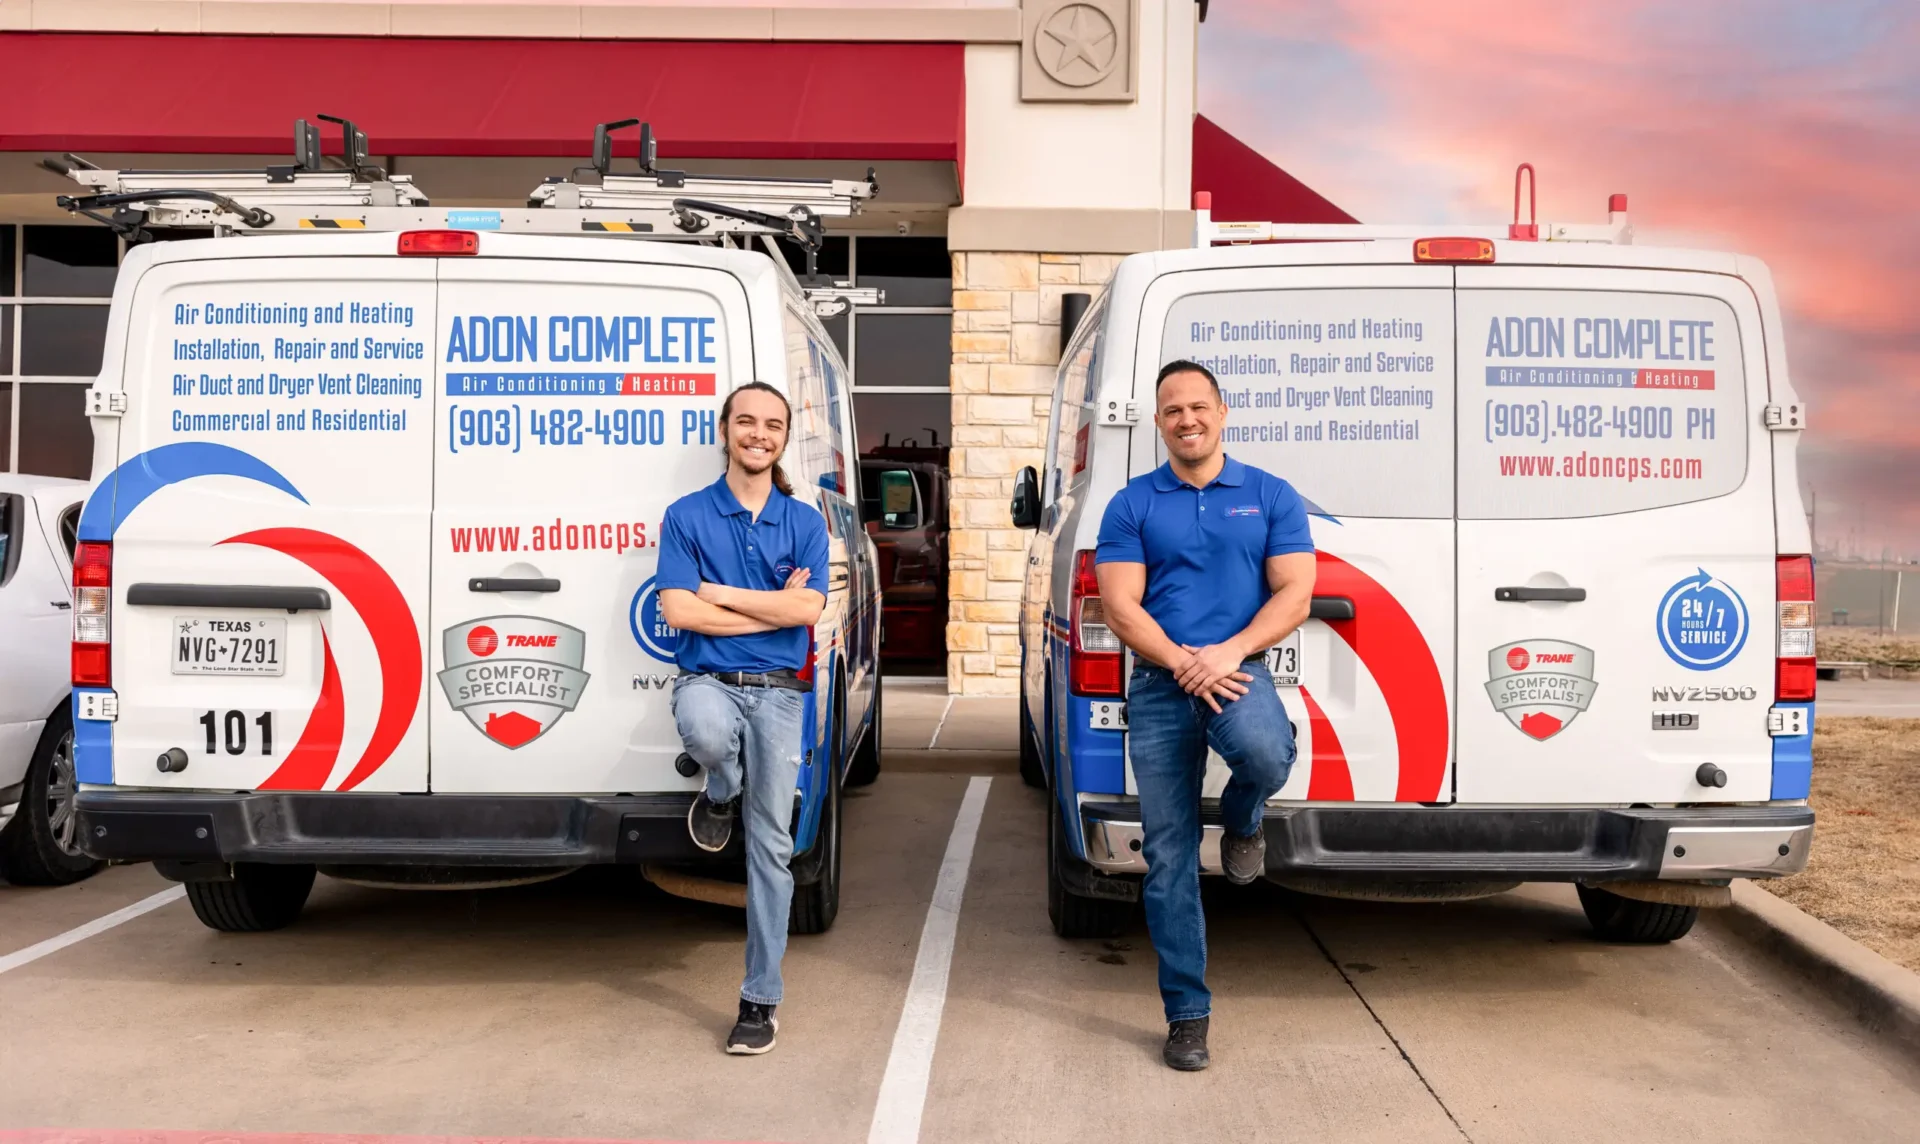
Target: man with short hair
point(1203, 564)
point(738, 563)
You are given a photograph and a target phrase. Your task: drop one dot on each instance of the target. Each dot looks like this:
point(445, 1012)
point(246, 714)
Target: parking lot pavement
point(1887, 698)
point(594, 1007)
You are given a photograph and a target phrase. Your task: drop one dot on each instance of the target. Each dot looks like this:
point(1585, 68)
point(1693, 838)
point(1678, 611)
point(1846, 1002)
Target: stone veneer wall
point(1006, 349)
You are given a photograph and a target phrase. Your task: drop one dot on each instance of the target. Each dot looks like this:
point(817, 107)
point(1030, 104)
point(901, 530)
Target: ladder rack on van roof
point(1616, 230)
point(306, 195)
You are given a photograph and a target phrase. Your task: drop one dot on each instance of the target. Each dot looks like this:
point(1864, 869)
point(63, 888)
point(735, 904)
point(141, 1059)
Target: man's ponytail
point(779, 474)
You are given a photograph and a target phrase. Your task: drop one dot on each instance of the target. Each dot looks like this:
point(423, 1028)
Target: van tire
point(1074, 916)
point(1033, 768)
point(1615, 918)
point(259, 898)
point(865, 766)
point(817, 903)
point(40, 846)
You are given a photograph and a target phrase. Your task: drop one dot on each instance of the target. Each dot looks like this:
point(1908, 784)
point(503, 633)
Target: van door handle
point(1531, 595)
point(513, 584)
point(1331, 608)
point(261, 596)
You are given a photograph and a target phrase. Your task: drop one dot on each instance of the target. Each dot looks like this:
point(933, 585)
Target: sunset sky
point(1787, 129)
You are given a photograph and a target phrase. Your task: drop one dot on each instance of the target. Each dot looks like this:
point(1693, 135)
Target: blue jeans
point(750, 737)
point(1169, 732)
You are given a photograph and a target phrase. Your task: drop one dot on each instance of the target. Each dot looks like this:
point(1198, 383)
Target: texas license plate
point(1283, 660)
point(229, 645)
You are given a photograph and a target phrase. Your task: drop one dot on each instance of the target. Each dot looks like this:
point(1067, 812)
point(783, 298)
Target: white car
point(38, 516)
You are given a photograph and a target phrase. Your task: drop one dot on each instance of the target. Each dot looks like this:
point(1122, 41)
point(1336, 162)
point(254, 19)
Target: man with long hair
point(739, 565)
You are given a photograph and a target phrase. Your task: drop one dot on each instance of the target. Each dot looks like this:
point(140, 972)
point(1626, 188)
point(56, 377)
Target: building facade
point(1022, 147)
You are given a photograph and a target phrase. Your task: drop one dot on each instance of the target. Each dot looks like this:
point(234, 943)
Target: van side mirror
point(899, 507)
point(1026, 499)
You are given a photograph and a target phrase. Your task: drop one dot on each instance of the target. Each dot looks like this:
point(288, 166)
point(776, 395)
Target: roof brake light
point(1453, 250)
point(435, 243)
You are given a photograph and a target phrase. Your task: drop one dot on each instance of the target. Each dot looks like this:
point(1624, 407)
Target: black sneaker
point(1186, 1047)
point(753, 1032)
point(1244, 859)
point(710, 823)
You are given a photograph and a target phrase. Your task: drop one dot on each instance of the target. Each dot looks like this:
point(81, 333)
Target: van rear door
point(268, 516)
point(1339, 379)
point(1616, 557)
point(579, 399)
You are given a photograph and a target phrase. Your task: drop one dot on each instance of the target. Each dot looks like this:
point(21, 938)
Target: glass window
point(837, 330)
point(912, 271)
point(1072, 402)
point(832, 260)
point(6, 339)
point(70, 261)
point(6, 262)
point(56, 439)
point(62, 341)
point(6, 427)
point(903, 421)
point(1590, 402)
point(1345, 393)
point(903, 349)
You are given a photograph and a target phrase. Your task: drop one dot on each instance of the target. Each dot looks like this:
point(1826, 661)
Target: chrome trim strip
point(1735, 851)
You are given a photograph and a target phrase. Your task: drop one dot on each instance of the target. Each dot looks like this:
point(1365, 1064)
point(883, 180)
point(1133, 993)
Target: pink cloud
point(1789, 134)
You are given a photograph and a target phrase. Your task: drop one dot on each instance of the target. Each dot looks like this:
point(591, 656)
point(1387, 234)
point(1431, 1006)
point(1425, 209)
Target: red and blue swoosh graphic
point(368, 589)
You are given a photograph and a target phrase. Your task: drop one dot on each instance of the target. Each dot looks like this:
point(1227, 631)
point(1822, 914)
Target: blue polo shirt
point(1205, 549)
point(709, 537)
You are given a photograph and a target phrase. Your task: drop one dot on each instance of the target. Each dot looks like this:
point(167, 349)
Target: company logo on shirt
point(1540, 685)
point(513, 676)
point(1244, 510)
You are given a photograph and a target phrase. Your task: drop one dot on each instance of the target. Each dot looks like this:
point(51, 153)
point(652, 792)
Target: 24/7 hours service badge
point(513, 676)
point(1540, 685)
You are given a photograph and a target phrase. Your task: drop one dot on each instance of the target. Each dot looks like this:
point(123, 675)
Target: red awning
point(241, 94)
point(1248, 188)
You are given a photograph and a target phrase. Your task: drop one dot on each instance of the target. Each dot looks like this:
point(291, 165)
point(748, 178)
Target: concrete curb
point(1882, 996)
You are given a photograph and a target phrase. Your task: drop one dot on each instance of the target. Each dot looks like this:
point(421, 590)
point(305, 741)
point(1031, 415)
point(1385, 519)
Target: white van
point(366, 582)
point(1562, 624)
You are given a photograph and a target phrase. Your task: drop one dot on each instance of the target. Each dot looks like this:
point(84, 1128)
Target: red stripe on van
point(1330, 780)
point(382, 608)
point(311, 761)
point(1389, 643)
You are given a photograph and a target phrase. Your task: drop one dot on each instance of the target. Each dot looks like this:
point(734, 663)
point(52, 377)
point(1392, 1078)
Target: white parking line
point(944, 712)
point(903, 1088)
point(78, 934)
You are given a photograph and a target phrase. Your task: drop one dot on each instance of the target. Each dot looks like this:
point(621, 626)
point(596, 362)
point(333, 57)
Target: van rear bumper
point(1529, 844)
point(390, 829)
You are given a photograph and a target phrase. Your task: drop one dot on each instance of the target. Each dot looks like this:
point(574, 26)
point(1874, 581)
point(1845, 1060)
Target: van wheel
point(865, 766)
point(260, 898)
point(1615, 918)
point(41, 846)
point(817, 903)
point(1033, 769)
point(1073, 915)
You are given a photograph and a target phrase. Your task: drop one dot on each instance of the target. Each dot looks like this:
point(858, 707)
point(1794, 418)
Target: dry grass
point(1862, 645)
point(1864, 874)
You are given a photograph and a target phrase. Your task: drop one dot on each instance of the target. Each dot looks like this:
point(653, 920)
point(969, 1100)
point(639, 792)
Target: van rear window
point(1346, 393)
point(1589, 403)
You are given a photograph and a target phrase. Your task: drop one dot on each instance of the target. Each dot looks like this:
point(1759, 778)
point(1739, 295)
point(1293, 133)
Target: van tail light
point(1096, 660)
point(434, 243)
point(806, 666)
point(1794, 675)
point(92, 615)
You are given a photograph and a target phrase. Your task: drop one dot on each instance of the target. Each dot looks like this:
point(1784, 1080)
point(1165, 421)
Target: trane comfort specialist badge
point(513, 676)
point(1540, 685)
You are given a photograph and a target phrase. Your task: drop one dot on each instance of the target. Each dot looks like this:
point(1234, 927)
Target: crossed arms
point(717, 610)
point(1211, 672)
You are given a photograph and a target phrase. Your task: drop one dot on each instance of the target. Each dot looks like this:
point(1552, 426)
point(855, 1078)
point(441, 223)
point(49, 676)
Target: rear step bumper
point(1534, 844)
point(390, 829)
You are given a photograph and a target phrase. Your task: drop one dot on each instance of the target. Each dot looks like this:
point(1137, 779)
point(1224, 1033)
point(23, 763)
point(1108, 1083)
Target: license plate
point(1283, 660)
point(229, 645)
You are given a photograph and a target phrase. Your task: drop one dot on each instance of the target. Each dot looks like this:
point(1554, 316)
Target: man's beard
point(739, 456)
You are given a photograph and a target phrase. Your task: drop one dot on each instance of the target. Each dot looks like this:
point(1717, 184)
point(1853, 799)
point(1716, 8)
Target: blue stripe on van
point(92, 748)
point(1793, 759)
